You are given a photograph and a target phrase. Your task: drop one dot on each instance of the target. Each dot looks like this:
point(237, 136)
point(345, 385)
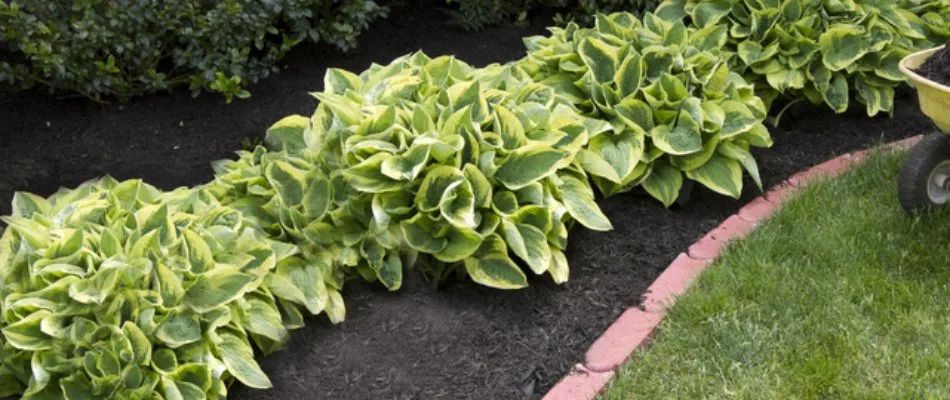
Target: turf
point(839, 295)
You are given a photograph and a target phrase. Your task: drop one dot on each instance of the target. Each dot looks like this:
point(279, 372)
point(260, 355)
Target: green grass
point(839, 296)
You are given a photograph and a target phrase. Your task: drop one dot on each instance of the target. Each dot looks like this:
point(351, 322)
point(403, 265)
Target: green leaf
point(684, 138)
point(238, 357)
point(317, 198)
point(597, 166)
point(579, 201)
point(288, 134)
point(263, 318)
point(630, 75)
point(26, 334)
point(722, 175)
point(407, 166)
point(509, 127)
point(199, 253)
point(419, 233)
point(621, 151)
point(842, 45)
point(529, 243)
point(739, 119)
point(481, 187)
point(338, 81)
point(744, 157)
point(559, 269)
point(460, 244)
point(179, 328)
point(217, 287)
point(26, 204)
point(664, 183)
point(435, 185)
point(458, 205)
point(141, 346)
point(301, 282)
point(492, 267)
point(31, 231)
point(368, 177)
point(288, 181)
point(751, 52)
point(600, 57)
point(527, 165)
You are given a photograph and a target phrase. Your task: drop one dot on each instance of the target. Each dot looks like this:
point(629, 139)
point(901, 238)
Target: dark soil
point(461, 342)
point(937, 66)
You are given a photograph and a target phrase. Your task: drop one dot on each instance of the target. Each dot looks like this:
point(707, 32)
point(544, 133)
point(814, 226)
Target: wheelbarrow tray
point(934, 97)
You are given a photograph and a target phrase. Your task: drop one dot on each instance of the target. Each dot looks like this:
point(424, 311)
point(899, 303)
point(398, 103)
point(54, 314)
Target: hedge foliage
point(125, 48)
point(822, 51)
point(479, 14)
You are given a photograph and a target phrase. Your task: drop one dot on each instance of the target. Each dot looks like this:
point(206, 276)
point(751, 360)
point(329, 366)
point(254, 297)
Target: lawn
point(839, 295)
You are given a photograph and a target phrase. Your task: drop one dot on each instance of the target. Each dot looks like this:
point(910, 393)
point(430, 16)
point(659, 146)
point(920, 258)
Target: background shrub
point(124, 48)
point(478, 14)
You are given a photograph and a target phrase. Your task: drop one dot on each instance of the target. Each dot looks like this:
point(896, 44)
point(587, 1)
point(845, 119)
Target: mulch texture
point(937, 67)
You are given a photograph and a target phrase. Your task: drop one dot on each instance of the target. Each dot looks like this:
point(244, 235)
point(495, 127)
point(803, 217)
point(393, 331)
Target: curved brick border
point(634, 328)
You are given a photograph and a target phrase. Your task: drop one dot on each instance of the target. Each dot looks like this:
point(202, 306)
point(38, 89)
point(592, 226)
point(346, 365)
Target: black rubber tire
point(932, 150)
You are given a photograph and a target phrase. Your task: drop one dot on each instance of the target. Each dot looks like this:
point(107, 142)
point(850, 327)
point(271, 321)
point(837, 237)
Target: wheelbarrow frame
point(924, 181)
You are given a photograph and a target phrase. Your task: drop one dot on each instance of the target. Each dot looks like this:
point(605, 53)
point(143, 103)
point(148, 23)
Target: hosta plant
point(934, 13)
point(118, 290)
point(674, 109)
point(430, 162)
point(822, 51)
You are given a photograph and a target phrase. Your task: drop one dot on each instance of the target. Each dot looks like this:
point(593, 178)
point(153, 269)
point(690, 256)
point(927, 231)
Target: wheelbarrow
point(924, 181)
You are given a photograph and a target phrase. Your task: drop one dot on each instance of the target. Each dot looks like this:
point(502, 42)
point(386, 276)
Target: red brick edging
point(634, 328)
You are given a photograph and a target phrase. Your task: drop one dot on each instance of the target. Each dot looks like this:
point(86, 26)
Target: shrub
point(425, 161)
point(822, 51)
point(673, 106)
point(478, 14)
point(132, 47)
point(119, 290)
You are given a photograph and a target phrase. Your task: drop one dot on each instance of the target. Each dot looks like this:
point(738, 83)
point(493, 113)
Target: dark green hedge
point(478, 14)
point(125, 48)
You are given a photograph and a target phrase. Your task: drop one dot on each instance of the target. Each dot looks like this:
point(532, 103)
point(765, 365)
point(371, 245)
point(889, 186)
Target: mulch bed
point(937, 66)
point(459, 342)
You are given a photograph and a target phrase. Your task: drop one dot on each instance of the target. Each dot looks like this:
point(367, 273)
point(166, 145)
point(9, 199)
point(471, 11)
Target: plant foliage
point(823, 51)
point(118, 290)
point(131, 47)
point(673, 106)
point(425, 161)
point(934, 13)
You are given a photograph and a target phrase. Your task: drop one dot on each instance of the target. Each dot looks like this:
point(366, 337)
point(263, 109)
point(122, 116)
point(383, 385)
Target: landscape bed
point(464, 341)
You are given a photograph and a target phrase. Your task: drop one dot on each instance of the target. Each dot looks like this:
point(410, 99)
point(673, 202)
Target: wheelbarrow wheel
point(924, 181)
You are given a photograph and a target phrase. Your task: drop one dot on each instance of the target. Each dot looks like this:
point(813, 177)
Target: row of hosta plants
point(672, 106)
point(822, 51)
point(118, 290)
